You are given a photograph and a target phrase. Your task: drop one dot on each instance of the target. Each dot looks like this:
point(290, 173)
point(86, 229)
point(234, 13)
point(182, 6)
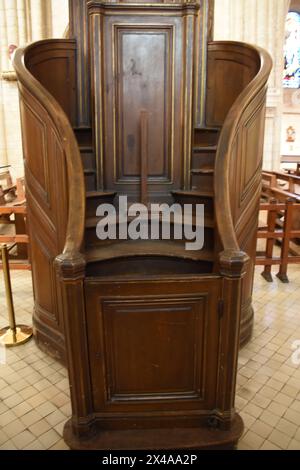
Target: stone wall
point(260, 22)
point(21, 22)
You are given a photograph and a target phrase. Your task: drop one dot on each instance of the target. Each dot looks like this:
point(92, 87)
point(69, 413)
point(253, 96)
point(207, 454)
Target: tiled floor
point(34, 398)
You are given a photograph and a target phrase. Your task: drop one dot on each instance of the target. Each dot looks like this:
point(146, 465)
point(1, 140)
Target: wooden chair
point(288, 209)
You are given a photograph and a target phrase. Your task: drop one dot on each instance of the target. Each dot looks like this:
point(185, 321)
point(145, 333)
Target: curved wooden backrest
point(53, 169)
point(240, 148)
point(35, 95)
point(52, 63)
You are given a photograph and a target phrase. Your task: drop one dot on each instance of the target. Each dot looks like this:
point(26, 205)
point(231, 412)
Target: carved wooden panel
point(37, 168)
point(79, 30)
point(145, 85)
point(142, 61)
point(141, 363)
point(153, 348)
point(46, 191)
point(245, 176)
point(45, 292)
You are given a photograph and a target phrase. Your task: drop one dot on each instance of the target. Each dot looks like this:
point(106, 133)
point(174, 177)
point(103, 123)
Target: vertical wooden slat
point(144, 157)
point(288, 225)
point(270, 242)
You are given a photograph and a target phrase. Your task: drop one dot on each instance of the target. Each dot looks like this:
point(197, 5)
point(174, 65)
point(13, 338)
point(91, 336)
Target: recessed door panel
point(153, 349)
point(144, 74)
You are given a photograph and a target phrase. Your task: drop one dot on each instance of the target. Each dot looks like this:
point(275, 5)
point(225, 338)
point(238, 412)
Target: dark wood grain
point(150, 332)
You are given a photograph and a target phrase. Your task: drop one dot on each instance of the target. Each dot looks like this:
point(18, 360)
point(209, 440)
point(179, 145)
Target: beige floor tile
point(3, 408)
point(35, 445)
point(291, 416)
point(50, 392)
point(269, 418)
point(36, 400)
point(283, 399)
point(243, 446)
point(261, 401)
point(245, 393)
point(27, 392)
point(297, 435)
point(253, 440)
point(6, 418)
point(66, 410)
point(60, 400)
point(286, 427)
point(61, 445)
point(248, 419)
point(268, 392)
point(275, 384)
point(13, 400)
point(31, 418)
point(49, 438)
point(295, 406)
point(40, 428)
point(22, 409)
point(9, 445)
point(56, 418)
point(261, 429)
point(294, 445)
point(290, 391)
point(23, 440)
point(45, 409)
point(59, 428)
point(20, 385)
point(279, 439)
point(14, 428)
point(3, 437)
point(277, 409)
point(253, 410)
point(267, 445)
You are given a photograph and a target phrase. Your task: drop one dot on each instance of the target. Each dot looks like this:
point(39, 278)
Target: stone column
point(21, 22)
point(260, 22)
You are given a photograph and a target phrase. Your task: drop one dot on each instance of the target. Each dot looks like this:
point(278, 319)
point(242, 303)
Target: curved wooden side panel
point(245, 183)
point(53, 64)
point(54, 177)
point(231, 66)
point(239, 166)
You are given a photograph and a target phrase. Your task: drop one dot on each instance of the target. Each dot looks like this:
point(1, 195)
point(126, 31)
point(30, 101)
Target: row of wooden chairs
point(281, 201)
point(13, 215)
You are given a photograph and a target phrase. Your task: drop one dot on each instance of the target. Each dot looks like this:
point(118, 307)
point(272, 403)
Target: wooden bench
point(13, 214)
point(283, 224)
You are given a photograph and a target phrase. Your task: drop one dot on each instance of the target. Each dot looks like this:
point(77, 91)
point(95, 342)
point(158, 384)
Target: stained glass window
point(292, 51)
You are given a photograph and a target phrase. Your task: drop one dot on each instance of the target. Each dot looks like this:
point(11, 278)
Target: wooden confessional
point(141, 102)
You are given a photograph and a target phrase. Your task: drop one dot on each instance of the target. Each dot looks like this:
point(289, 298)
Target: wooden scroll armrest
point(70, 266)
point(233, 264)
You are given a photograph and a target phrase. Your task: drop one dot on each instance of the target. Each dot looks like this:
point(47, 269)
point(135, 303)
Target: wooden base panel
point(247, 324)
point(158, 439)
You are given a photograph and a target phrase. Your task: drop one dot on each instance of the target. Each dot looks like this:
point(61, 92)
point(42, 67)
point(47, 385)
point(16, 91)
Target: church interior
point(149, 225)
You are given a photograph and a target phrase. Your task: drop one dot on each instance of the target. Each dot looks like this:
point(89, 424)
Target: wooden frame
point(96, 295)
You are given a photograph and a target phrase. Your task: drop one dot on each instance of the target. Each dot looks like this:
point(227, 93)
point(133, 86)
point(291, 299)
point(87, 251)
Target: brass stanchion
point(13, 335)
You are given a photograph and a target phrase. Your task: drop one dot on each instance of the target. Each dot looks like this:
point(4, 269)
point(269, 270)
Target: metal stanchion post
point(13, 335)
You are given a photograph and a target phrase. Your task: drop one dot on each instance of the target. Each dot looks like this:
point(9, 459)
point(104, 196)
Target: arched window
point(292, 51)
